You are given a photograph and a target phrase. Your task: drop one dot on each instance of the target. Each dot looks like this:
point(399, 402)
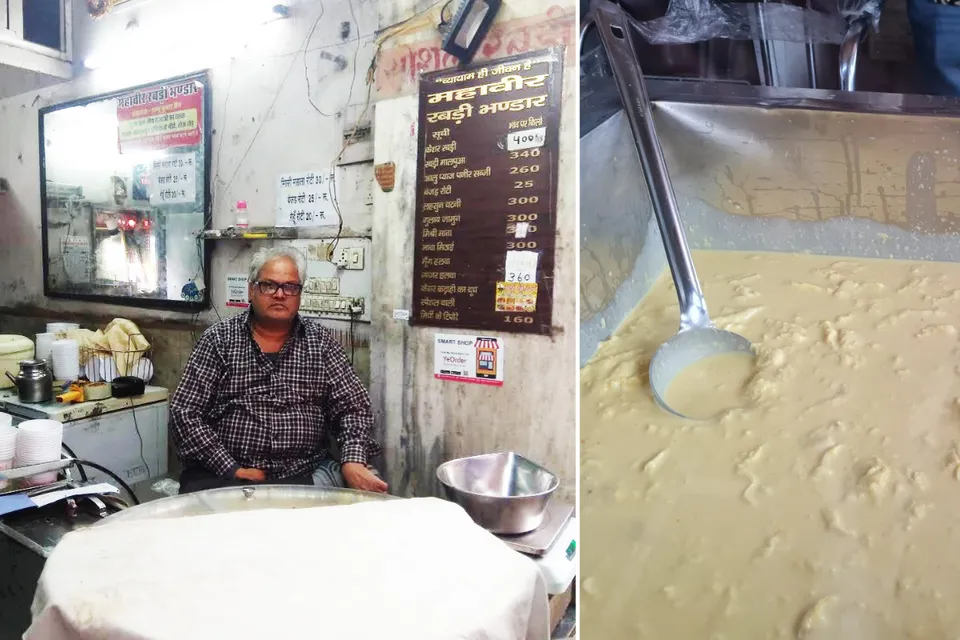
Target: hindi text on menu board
point(486, 195)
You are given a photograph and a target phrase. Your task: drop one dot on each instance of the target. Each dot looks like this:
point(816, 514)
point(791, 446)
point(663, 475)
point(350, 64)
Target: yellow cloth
point(121, 339)
point(89, 342)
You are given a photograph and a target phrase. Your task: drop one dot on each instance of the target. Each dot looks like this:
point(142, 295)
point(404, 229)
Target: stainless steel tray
point(37, 490)
point(25, 472)
point(45, 467)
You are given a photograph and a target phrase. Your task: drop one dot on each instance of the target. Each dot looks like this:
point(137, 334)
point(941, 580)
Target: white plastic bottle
point(241, 210)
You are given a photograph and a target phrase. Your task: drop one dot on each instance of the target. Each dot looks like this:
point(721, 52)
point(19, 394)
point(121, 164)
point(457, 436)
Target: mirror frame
point(131, 301)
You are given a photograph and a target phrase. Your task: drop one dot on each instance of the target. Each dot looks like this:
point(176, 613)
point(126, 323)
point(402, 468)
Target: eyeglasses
point(269, 288)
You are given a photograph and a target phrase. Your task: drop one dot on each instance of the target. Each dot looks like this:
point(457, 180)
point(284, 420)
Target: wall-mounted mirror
point(125, 195)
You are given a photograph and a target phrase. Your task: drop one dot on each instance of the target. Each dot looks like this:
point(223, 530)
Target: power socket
point(350, 258)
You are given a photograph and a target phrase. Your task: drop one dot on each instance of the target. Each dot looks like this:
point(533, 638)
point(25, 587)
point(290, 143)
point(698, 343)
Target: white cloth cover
point(418, 569)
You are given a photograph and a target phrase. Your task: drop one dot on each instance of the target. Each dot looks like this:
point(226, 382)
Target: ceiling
point(14, 81)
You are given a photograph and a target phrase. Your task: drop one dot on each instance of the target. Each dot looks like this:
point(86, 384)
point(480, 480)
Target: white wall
point(263, 123)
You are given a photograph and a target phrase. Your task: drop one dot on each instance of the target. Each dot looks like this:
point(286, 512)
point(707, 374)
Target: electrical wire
point(403, 26)
point(212, 304)
point(352, 340)
point(80, 464)
point(306, 68)
point(226, 104)
point(136, 426)
point(445, 22)
point(416, 15)
point(407, 25)
point(263, 119)
point(331, 183)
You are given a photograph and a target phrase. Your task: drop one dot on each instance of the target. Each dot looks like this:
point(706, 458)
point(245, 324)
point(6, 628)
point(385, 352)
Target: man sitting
point(261, 389)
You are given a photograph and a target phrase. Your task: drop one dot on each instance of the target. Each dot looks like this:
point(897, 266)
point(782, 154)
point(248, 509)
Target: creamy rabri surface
point(826, 506)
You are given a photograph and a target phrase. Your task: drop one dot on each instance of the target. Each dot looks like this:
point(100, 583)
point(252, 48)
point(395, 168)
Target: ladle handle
point(615, 33)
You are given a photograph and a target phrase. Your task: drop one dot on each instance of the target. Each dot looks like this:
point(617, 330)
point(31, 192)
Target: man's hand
point(357, 476)
point(253, 475)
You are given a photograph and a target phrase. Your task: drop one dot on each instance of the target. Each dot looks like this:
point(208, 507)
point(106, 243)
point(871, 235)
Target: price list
point(487, 195)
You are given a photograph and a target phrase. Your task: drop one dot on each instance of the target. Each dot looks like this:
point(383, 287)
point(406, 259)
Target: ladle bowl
point(686, 349)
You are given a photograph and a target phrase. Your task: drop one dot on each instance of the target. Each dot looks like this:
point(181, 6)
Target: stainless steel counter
point(40, 530)
point(26, 540)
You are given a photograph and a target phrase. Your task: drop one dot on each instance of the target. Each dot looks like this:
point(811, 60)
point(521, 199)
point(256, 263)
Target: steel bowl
point(503, 492)
point(232, 499)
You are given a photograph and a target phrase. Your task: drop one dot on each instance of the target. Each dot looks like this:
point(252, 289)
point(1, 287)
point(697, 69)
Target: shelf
point(283, 233)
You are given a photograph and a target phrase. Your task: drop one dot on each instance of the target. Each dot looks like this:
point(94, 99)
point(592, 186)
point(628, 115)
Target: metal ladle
point(697, 338)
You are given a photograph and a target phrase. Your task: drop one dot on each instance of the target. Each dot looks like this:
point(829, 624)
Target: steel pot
point(34, 382)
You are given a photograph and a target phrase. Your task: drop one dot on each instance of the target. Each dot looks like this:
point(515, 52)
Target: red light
point(146, 224)
point(131, 223)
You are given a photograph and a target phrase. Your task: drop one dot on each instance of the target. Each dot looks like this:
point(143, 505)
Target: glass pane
point(125, 196)
point(42, 23)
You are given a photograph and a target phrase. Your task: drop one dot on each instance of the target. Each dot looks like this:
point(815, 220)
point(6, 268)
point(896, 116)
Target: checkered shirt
point(234, 408)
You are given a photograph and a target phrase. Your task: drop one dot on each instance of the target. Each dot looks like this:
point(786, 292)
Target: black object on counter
point(128, 386)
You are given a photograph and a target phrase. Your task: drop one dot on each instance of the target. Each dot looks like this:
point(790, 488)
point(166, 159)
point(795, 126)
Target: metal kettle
point(34, 382)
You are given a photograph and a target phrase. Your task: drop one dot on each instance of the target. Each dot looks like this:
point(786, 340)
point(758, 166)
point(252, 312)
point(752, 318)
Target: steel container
point(770, 169)
point(34, 383)
point(503, 492)
point(232, 499)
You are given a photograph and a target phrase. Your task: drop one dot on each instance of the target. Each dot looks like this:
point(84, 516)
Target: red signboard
point(161, 116)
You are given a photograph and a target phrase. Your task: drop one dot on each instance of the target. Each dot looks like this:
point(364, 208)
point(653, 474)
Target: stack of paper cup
point(66, 360)
point(60, 329)
point(39, 441)
point(45, 346)
point(8, 446)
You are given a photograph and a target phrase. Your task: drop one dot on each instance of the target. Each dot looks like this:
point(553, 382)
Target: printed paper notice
point(517, 297)
point(529, 139)
point(75, 251)
point(161, 116)
point(173, 179)
point(237, 295)
point(521, 266)
point(303, 200)
point(465, 358)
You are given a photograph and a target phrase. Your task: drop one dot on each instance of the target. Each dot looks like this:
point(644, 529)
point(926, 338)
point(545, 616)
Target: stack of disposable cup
point(39, 441)
point(8, 446)
point(45, 347)
point(60, 329)
point(66, 360)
